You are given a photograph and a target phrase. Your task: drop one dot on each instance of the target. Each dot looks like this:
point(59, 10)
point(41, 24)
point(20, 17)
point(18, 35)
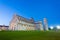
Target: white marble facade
point(21, 23)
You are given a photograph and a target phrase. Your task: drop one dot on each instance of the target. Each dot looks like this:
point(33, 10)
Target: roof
point(25, 19)
point(3, 26)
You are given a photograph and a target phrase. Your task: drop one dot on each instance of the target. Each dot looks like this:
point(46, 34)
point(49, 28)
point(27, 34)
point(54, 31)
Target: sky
point(38, 9)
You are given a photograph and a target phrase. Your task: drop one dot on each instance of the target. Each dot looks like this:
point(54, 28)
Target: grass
point(29, 35)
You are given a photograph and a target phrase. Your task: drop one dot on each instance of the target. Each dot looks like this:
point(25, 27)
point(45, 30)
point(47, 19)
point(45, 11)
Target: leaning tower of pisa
point(45, 24)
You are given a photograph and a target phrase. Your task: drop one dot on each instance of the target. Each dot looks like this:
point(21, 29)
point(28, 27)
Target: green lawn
point(29, 35)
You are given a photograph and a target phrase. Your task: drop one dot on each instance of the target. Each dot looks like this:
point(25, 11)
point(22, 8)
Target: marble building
point(21, 23)
point(45, 24)
point(4, 27)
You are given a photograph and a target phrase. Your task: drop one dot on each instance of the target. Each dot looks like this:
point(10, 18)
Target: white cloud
point(58, 27)
point(51, 27)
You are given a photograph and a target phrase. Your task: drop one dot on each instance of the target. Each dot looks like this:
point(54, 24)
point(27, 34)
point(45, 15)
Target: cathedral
point(22, 23)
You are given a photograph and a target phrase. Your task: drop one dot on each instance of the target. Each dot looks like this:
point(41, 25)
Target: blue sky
point(38, 9)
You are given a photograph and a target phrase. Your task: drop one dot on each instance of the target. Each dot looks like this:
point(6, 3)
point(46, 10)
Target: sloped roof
point(3, 26)
point(24, 19)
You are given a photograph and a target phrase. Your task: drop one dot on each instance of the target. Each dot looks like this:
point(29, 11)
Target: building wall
point(16, 24)
point(13, 23)
point(3, 28)
point(25, 26)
